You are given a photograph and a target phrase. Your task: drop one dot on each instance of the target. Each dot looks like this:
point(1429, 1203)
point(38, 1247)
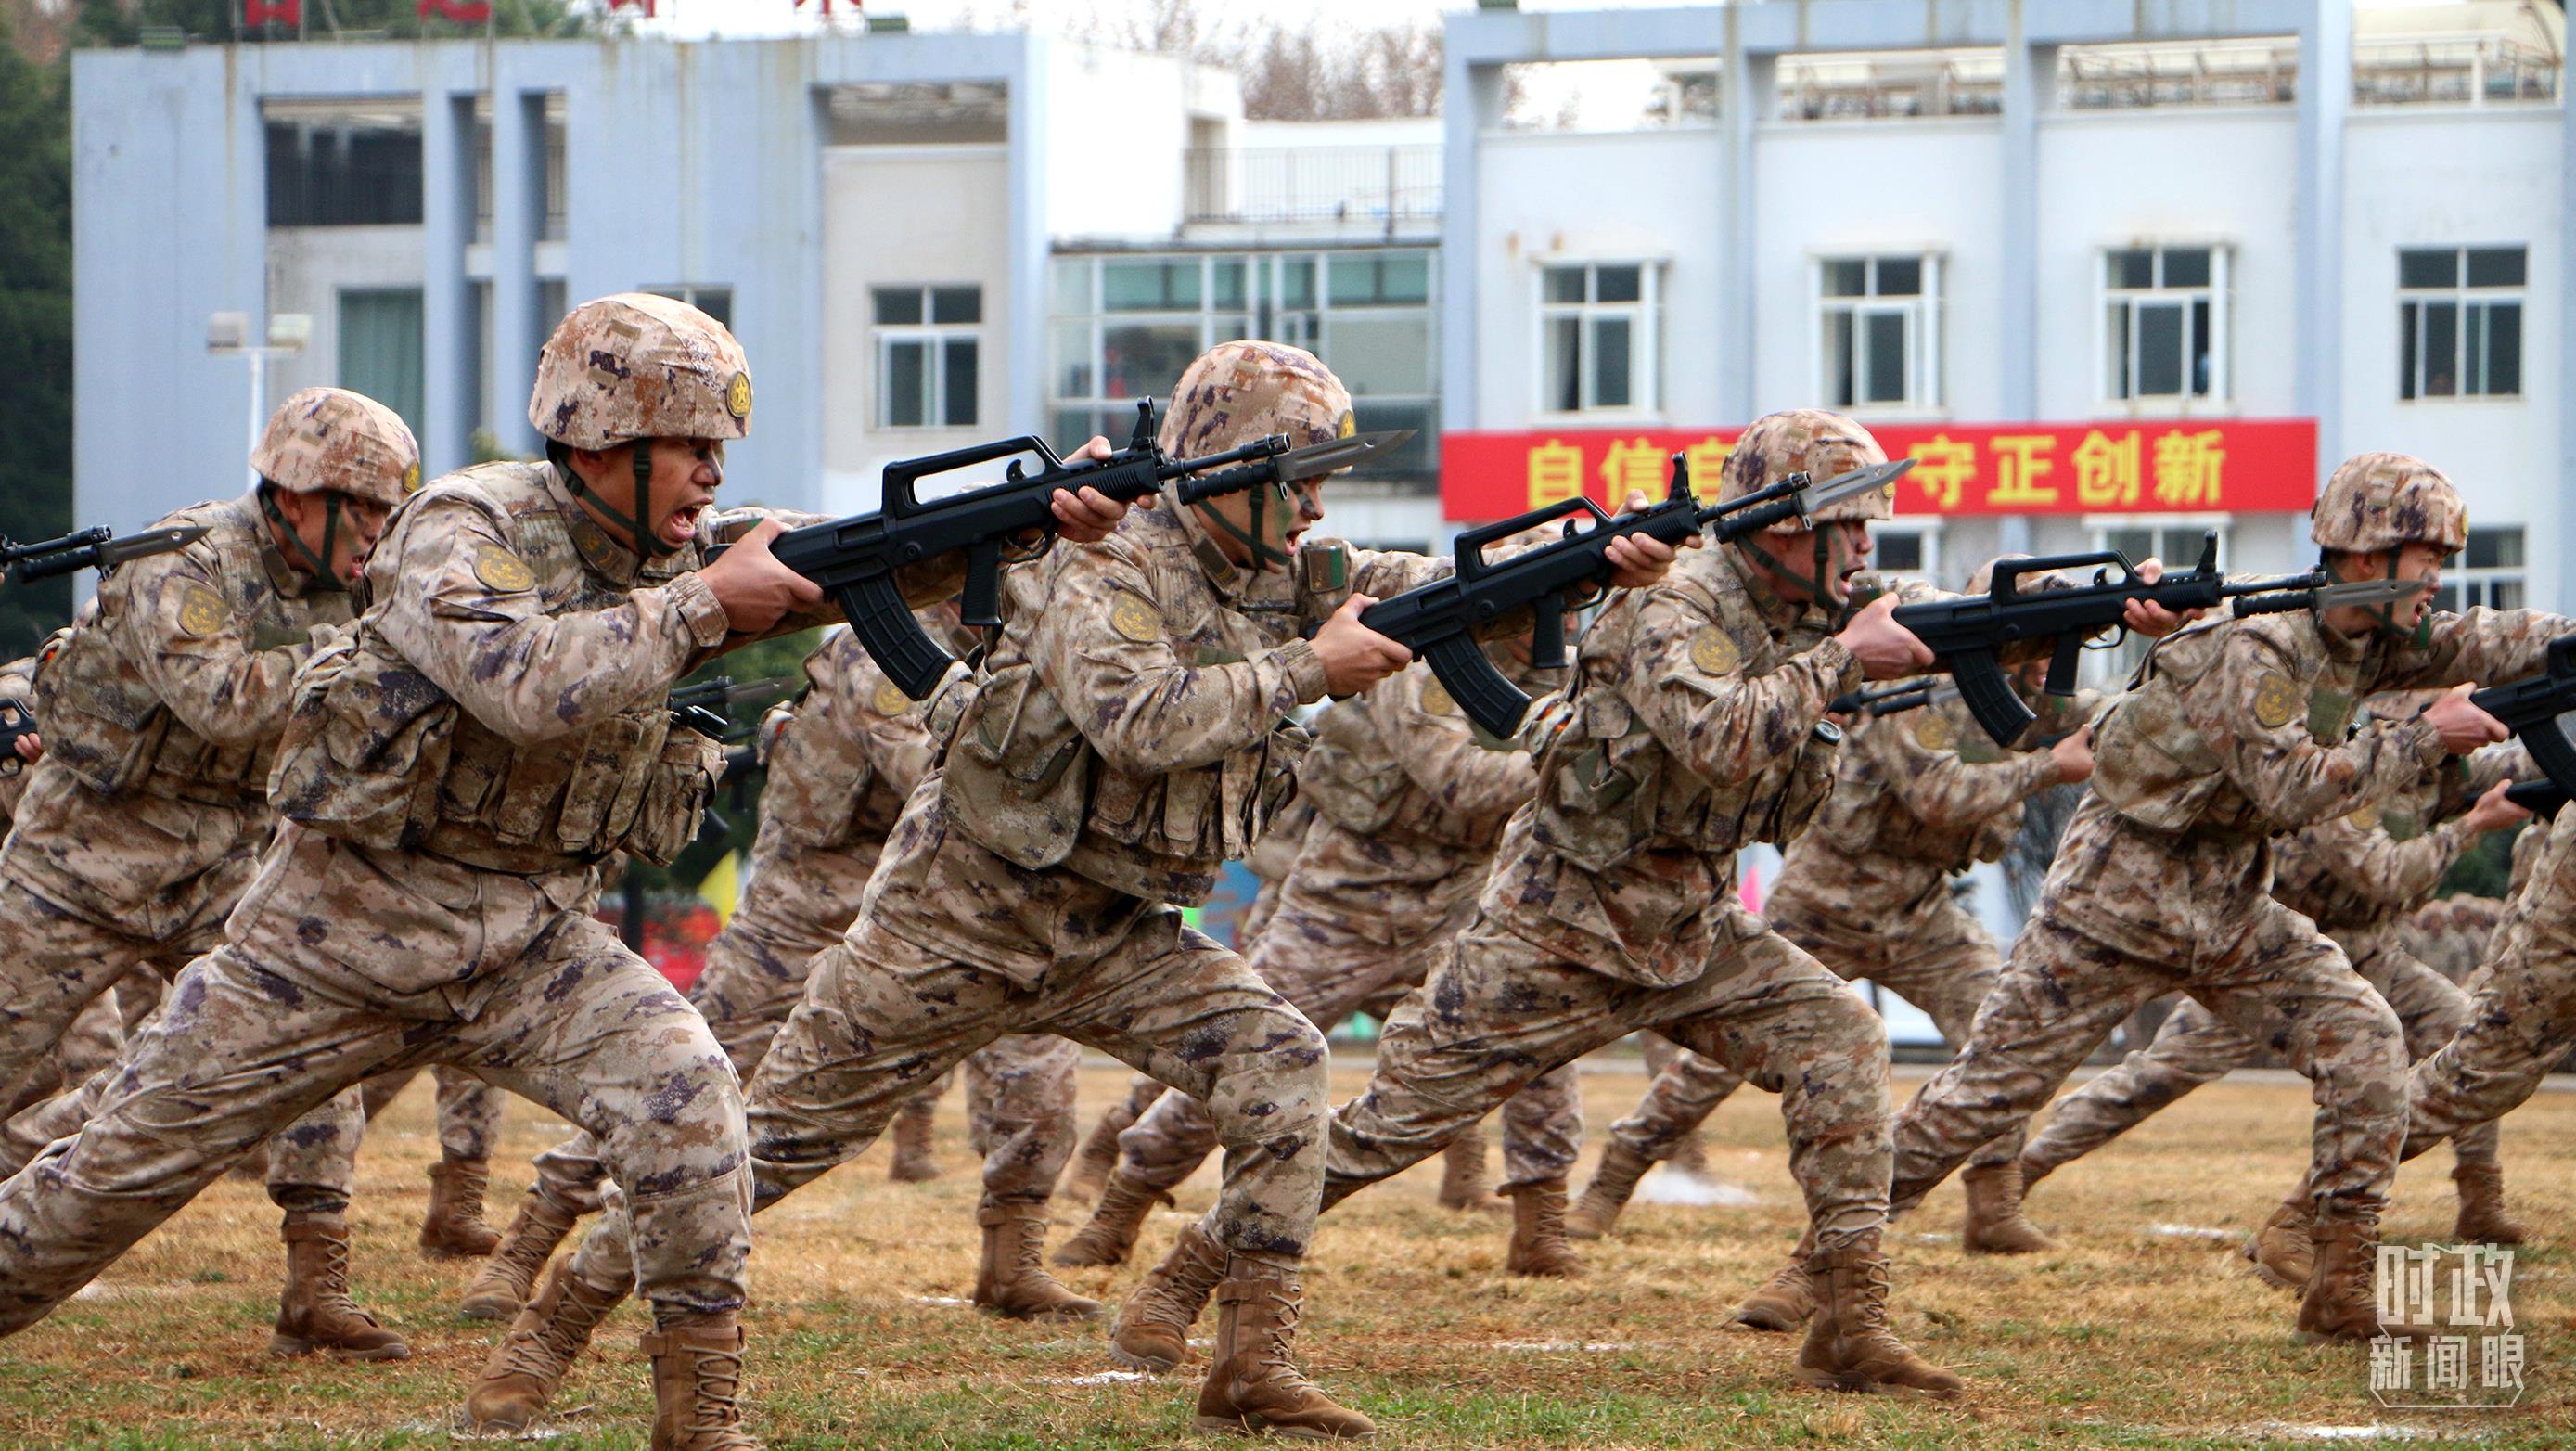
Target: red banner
point(261, 12)
point(2236, 465)
point(463, 12)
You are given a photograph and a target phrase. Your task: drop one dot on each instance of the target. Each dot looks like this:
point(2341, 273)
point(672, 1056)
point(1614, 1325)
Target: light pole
point(227, 336)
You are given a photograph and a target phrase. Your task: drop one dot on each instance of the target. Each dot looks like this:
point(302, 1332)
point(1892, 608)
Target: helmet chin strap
point(1818, 583)
point(317, 565)
point(2421, 634)
point(648, 543)
point(1265, 555)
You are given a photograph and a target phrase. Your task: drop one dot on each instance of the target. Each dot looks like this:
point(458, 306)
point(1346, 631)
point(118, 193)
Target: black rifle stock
point(2531, 708)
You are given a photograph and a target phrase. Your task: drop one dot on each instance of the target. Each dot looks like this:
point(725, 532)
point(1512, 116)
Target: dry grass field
point(2140, 1331)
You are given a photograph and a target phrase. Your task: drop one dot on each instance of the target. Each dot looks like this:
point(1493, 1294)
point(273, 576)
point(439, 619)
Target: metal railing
point(1384, 185)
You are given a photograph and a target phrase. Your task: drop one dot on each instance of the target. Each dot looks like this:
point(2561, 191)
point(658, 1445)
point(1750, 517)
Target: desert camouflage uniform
point(452, 777)
point(1409, 800)
point(2355, 877)
point(2236, 731)
point(2450, 934)
point(468, 1109)
point(839, 771)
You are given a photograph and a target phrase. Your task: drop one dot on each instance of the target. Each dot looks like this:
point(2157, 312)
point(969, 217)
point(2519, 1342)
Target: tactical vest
point(1865, 815)
point(105, 720)
point(377, 754)
point(1352, 776)
point(825, 792)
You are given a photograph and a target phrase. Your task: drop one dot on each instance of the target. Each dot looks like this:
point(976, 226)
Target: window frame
point(1925, 527)
point(1924, 380)
point(2458, 576)
point(2219, 291)
point(2463, 295)
point(2110, 667)
point(936, 338)
point(1645, 347)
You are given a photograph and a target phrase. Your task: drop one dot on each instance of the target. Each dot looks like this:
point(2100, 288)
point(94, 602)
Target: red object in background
point(2129, 466)
point(261, 12)
point(675, 942)
point(463, 12)
point(621, 4)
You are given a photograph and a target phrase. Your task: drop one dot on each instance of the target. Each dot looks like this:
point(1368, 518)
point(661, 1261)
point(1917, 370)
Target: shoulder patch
point(1714, 652)
point(1934, 732)
point(2365, 819)
point(202, 611)
point(889, 699)
point(1436, 700)
point(502, 571)
point(1136, 618)
point(2276, 700)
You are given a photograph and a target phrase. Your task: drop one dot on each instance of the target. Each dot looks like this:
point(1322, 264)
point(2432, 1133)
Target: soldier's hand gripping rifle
point(1967, 635)
point(855, 559)
point(2531, 709)
point(17, 723)
point(2541, 798)
point(97, 548)
point(1438, 621)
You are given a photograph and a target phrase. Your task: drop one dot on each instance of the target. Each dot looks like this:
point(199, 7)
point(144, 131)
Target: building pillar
point(517, 198)
point(1475, 103)
point(1748, 95)
point(2325, 100)
point(1031, 254)
point(447, 225)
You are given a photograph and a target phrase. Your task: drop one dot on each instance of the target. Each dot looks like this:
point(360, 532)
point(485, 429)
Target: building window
point(2488, 572)
point(380, 347)
point(2164, 323)
point(1879, 338)
point(2459, 322)
point(354, 171)
point(2173, 540)
point(1906, 550)
point(1124, 327)
point(928, 341)
point(1600, 338)
point(715, 302)
point(552, 304)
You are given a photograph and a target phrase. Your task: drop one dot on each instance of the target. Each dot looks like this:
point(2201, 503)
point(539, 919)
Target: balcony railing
point(1384, 186)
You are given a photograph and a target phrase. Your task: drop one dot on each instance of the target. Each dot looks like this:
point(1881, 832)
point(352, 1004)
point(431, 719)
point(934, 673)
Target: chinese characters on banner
point(2167, 466)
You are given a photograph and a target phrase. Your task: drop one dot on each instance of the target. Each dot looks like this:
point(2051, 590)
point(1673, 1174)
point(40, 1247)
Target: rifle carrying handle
point(884, 624)
point(1486, 694)
point(900, 495)
point(1990, 697)
point(1468, 552)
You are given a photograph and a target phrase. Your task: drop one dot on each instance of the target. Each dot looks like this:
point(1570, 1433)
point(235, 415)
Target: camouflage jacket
point(2236, 730)
point(1403, 759)
point(2363, 871)
point(854, 749)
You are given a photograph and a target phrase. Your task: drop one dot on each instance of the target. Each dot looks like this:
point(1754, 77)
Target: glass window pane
point(2495, 266)
point(1845, 277)
point(1385, 354)
point(1886, 357)
point(2507, 544)
point(1618, 284)
point(2441, 349)
point(380, 348)
point(1841, 368)
point(2447, 599)
point(957, 398)
point(2186, 267)
point(2130, 267)
point(1227, 327)
point(2115, 341)
point(2506, 594)
point(1564, 365)
point(1148, 286)
point(1900, 276)
point(1072, 374)
point(1562, 284)
point(1225, 283)
point(2418, 267)
point(2160, 344)
point(1405, 277)
point(715, 302)
point(1072, 285)
point(2200, 345)
point(2473, 358)
point(2504, 349)
point(1611, 364)
point(2407, 371)
point(2135, 544)
point(1901, 551)
point(898, 306)
point(1074, 427)
point(907, 384)
point(1420, 455)
point(1352, 282)
point(1297, 282)
point(1140, 360)
point(957, 304)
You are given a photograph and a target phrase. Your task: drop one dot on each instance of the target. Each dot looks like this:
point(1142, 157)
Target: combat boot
point(1538, 1232)
point(1849, 1347)
point(525, 1370)
point(2341, 1303)
point(510, 1275)
point(1152, 1331)
point(1786, 1299)
point(2483, 1218)
point(1253, 1383)
point(314, 1312)
point(697, 1385)
point(1462, 1173)
point(1011, 1282)
point(1110, 1236)
point(2282, 1252)
point(1597, 1212)
point(453, 1228)
point(913, 1163)
point(1995, 1224)
point(1098, 1158)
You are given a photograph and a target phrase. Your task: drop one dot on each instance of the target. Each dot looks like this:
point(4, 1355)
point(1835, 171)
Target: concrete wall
point(307, 269)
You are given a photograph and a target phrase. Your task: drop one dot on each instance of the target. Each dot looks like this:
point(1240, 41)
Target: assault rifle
point(2531, 708)
point(1438, 621)
point(97, 548)
point(1967, 634)
point(855, 559)
point(1911, 695)
point(740, 763)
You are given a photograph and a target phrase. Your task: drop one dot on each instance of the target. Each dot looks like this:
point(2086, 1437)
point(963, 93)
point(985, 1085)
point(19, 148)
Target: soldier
point(1409, 801)
point(1127, 737)
point(2232, 734)
point(469, 1118)
point(2450, 934)
point(451, 777)
point(1690, 729)
point(2355, 877)
point(1918, 796)
point(840, 766)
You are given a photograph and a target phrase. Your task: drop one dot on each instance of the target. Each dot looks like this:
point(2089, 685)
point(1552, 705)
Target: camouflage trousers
point(469, 1110)
point(2127, 916)
point(1932, 954)
point(884, 1017)
point(1503, 1010)
point(2521, 1020)
point(2195, 1046)
point(94, 1040)
point(342, 964)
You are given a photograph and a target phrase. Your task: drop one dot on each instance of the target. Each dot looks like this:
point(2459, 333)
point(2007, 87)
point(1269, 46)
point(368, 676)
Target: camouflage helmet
point(638, 366)
point(1240, 391)
point(1813, 442)
point(2379, 501)
point(333, 440)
